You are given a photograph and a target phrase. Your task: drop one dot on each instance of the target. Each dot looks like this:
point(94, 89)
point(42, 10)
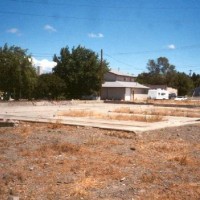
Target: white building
point(120, 86)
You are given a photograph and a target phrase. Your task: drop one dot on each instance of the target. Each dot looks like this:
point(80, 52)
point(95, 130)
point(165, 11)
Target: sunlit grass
point(111, 116)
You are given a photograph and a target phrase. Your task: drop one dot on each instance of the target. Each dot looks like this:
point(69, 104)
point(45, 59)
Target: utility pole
point(20, 83)
point(100, 73)
point(101, 57)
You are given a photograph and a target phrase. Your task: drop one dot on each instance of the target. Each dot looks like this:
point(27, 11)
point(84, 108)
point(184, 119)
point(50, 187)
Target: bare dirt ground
point(54, 161)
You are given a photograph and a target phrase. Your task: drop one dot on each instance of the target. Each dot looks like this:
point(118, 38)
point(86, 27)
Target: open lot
point(54, 161)
point(57, 161)
point(129, 117)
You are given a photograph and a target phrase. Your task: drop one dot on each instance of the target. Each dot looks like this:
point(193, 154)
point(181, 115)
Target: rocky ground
point(54, 161)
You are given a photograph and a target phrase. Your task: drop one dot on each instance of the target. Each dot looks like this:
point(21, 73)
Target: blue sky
point(129, 32)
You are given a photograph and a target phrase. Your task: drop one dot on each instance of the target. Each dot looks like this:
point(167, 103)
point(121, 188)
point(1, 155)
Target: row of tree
point(79, 72)
point(161, 72)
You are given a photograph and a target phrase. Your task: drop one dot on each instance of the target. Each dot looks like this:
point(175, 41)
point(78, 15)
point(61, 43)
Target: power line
point(143, 7)
point(159, 50)
point(50, 55)
point(64, 17)
point(42, 15)
point(58, 16)
point(139, 69)
point(119, 61)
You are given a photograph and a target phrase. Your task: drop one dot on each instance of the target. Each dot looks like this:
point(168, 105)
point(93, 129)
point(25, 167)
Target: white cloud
point(45, 64)
point(171, 46)
point(49, 28)
point(14, 31)
point(95, 35)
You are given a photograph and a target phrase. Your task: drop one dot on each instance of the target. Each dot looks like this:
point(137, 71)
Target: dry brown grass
point(15, 175)
point(148, 177)
point(94, 140)
point(65, 148)
point(182, 160)
point(165, 147)
point(82, 186)
point(120, 134)
point(179, 112)
point(55, 149)
point(121, 161)
point(174, 102)
point(25, 131)
point(122, 117)
point(4, 143)
point(79, 113)
point(141, 118)
point(94, 162)
point(55, 125)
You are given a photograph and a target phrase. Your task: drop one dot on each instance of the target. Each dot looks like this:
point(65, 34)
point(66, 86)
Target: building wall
point(113, 93)
point(140, 97)
point(113, 77)
point(172, 90)
point(125, 78)
point(139, 94)
point(109, 77)
point(127, 94)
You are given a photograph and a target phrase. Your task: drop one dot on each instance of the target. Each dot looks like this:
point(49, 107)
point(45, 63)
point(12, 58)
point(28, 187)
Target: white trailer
point(158, 94)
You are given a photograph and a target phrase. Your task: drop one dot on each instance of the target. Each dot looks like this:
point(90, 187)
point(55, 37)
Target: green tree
point(50, 86)
point(17, 76)
point(184, 84)
point(150, 78)
point(160, 72)
point(196, 79)
point(81, 69)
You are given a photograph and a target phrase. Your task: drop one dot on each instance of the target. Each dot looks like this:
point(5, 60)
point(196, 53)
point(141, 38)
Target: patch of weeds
point(78, 113)
point(4, 143)
point(123, 110)
point(2, 188)
point(65, 148)
point(25, 152)
point(43, 151)
point(173, 146)
point(148, 178)
point(179, 112)
point(94, 140)
point(13, 176)
point(141, 118)
point(121, 161)
point(82, 187)
point(55, 125)
point(120, 134)
point(126, 117)
point(182, 160)
point(26, 131)
point(57, 148)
